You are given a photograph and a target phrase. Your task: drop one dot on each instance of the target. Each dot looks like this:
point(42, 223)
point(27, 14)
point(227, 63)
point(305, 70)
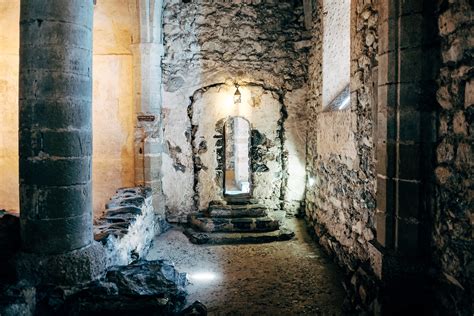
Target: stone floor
point(281, 278)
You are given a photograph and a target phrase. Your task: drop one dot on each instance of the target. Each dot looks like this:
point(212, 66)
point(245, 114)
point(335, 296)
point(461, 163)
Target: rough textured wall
point(211, 109)
point(9, 48)
point(454, 200)
point(113, 112)
point(257, 43)
point(336, 48)
point(340, 197)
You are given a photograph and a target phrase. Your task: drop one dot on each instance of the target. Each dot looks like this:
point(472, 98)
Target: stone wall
point(340, 197)
point(262, 46)
point(454, 203)
point(127, 226)
point(210, 110)
point(113, 111)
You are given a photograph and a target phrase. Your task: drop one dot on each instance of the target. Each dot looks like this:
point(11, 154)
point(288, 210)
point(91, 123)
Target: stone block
point(76, 11)
point(409, 126)
point(410, 95)
point(385, 195)
point(410, 30)
point(386, 158)
point(411, 7)
point(387, 35)
point(73, 143)
point(44, 86)
point(55, 114)
point(386, 125)
point(408, 199)
point(55, 172)
point(409, 161)
point(469, 94)
point(53, 236)
point(44, 202)
point(410, 64)
point(70, 268)
point(384, 226)
point(387, 68)
point(407, 237)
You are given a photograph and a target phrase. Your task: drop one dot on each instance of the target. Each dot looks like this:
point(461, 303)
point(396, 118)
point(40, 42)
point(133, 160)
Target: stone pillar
point(55, 132)
point(147, 49)
point(407, 70)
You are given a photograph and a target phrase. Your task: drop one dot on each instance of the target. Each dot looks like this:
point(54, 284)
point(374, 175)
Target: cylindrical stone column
point(55, 125)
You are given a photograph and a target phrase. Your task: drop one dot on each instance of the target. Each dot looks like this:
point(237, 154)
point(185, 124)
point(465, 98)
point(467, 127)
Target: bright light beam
point(202, 276)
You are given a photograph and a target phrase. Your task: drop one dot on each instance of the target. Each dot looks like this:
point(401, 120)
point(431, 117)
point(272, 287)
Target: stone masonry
point(56, 141)
point(262, 45)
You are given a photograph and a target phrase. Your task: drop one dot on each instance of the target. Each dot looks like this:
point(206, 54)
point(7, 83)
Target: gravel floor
point(281, 278)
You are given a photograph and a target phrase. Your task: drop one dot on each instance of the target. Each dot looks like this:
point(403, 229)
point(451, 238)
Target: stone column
point(408, 64)
point(147, 49)
point(55, 132)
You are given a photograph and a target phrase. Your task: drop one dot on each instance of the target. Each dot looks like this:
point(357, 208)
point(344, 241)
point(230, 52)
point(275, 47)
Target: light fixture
point(237, 95)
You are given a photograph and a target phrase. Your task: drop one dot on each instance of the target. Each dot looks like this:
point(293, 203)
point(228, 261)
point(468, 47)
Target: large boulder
point(141, 288)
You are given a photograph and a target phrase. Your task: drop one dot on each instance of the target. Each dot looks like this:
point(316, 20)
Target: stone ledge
point(128, 225)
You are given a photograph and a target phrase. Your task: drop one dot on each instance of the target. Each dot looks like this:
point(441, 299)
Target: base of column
point(78, 266)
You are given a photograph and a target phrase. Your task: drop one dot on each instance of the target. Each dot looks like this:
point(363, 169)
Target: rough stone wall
point(209, 115)
point(340, 197)
point(454, 203)
point(112, 102)
point(9, 46)
point(254, 43)
point(127, 226)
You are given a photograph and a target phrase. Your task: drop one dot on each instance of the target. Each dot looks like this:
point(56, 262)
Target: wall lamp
point(237, 96)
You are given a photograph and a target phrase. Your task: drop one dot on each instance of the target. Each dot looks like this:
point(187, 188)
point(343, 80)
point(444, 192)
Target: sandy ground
point(281, 278)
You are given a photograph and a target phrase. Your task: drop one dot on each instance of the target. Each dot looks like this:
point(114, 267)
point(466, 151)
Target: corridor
point(281, 278)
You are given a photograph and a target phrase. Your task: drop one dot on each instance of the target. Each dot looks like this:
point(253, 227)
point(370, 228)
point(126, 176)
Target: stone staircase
point(239, 221)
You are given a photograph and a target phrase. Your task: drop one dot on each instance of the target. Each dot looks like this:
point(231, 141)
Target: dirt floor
point(281, 278)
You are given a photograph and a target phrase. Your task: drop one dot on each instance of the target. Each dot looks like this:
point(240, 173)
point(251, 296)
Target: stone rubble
point(128, 225)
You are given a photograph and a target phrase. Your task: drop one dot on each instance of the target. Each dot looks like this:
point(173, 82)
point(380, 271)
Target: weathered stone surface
point(240, 223)
point(128, 225)
point(141, 288)
point(453, 200)
point(341, 175)
point(201, 64)
point(77, 266)
point(18, 299)
point(52, 158)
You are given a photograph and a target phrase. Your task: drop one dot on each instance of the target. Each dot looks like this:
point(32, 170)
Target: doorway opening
point(237, 180)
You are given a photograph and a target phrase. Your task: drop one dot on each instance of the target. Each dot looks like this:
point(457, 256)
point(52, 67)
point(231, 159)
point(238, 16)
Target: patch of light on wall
point(311, 181)
point(202, 276)
point(345, 102)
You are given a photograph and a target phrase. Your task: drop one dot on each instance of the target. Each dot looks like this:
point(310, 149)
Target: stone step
point(198, 237)
point(237, 200)
point(226, 211)
point(239, 224)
